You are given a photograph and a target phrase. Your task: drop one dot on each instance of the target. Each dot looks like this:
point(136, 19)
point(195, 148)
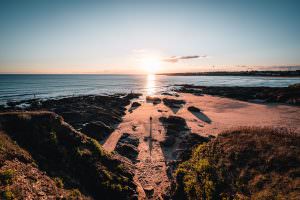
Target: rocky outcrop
point(173, 103)
point(289, 95)
point(127, 146)
point(61, 151)
point(173, 124)
point(96, 116)
point(193, 109)
point(154, 100)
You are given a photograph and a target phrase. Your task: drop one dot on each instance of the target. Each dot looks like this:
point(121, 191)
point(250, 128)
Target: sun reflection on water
point(150, 84)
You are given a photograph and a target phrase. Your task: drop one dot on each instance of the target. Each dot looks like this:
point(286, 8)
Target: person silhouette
point(150, 137)
point(150, 127)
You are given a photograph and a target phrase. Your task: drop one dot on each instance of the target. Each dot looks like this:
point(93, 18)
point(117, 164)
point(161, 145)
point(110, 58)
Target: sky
point(130, 36)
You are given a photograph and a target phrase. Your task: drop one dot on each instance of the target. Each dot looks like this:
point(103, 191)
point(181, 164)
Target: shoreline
point(285, 95)
point(279, 74)
point(180, 121)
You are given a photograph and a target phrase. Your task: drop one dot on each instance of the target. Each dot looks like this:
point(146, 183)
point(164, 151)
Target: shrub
point(8, 195)
point(245, 163)
point(74, 194)
point(59, 182)
point(7, 176)
point(53, 137)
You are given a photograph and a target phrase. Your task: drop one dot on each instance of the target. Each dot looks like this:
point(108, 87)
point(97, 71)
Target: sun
point(148, 61)
point(151, 64)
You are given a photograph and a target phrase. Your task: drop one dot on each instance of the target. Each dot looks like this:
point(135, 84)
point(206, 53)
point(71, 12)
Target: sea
point(23, 87)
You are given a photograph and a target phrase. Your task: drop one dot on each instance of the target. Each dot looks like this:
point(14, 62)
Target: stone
point(193, 109)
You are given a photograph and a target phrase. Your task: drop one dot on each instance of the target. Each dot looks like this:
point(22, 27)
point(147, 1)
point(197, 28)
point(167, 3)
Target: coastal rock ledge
point(40, 149)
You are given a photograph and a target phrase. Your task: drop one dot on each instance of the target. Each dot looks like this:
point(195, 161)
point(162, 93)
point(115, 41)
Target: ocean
point(22, 87)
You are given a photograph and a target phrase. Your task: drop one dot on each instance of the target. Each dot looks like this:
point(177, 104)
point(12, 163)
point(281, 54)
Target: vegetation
point(246, 163)
point(59, 182)
point(68, 155)
point(7, 195)
point(6, 176)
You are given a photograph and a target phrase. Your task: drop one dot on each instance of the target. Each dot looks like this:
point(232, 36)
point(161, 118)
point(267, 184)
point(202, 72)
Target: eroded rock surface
point(289, 95)
point(61, 151)
point(127, 146)
point(96, 116)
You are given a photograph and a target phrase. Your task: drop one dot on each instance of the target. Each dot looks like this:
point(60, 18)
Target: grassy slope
point(63, 152)
point(256, 163)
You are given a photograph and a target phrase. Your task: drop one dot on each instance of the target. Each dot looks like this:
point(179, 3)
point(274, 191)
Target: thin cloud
point(175, 59)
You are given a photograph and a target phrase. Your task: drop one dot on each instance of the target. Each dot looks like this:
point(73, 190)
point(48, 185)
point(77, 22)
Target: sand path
point(218, 114)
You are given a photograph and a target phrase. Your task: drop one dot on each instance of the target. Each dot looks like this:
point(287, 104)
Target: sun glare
point(150, 64)
point(150, 84)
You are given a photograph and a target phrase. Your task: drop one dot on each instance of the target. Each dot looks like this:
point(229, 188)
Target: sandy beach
point(217, 115)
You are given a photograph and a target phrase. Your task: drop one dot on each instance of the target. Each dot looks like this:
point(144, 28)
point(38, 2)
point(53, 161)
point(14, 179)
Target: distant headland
point(295, 73)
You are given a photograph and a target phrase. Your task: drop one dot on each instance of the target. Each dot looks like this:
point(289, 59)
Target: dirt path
point(218, 114)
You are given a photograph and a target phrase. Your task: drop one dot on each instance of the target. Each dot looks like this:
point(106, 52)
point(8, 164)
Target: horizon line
point(163, 73)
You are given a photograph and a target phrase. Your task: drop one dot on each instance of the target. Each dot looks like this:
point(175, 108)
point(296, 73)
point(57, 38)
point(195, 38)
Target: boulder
point(129, 139)
point(127, 150)
point(97, 130)
point(169, 141)
point(154, 100)
point(135, 104)
point(127, 146)
point(173, 103)
point(193, 109)
point(149, 190)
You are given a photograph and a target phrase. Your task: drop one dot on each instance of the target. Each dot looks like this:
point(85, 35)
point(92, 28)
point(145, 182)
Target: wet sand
point(217, 114)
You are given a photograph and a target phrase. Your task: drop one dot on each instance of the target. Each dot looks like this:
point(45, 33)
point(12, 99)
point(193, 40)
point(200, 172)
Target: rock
point(174, 120)
point(129, 139)
point(80, 111)
point(154, 100)
point(174, 126)
point(169, 141)
point(149, 190)
point(188, 143)
point(97, 130)
point(290, 95)
point(173, 103)
point(193, 109)
point(135, 104)
point(127, 150)
point(60, 151)
point(132, 95)
point(127, 146)
point(170, 94)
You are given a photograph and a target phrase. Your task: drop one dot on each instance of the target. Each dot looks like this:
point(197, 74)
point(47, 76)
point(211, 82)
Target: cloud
point(175, 59)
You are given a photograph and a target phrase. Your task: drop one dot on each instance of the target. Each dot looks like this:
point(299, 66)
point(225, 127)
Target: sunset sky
point(147, 36)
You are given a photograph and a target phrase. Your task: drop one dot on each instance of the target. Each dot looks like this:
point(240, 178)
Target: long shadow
point(174, 104)
point(175, 109)
point(179, 142)
point(200, 115)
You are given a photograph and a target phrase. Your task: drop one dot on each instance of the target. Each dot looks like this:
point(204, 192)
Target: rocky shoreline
point(59, 140)
point(91, 114)
point(288, 95)
point(100, 147)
